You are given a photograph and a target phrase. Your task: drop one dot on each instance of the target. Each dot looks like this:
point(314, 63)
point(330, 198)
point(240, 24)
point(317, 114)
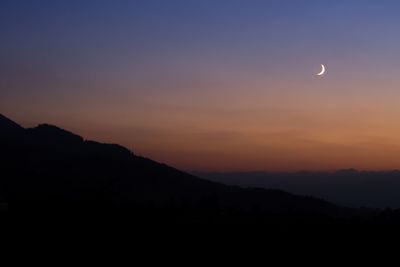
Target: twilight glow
point(212, 84)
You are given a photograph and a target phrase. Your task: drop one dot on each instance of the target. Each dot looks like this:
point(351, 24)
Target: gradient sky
point(221, 85)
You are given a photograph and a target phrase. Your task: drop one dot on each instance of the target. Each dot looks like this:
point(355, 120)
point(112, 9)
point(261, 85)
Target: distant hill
point(349, 187)
point(49, 170)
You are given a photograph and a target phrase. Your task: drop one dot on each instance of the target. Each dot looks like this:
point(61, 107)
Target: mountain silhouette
point(50, 170)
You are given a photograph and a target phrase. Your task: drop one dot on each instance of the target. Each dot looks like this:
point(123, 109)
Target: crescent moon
point(322, 71)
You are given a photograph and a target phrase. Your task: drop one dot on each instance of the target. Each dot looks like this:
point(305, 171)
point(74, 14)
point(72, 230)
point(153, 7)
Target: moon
point(322, 71)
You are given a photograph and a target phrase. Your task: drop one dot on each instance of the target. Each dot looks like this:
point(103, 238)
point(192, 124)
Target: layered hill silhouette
point(49, 170)
point(348, 187)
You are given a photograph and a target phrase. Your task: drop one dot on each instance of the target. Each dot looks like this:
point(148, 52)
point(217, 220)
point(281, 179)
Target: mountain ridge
point(53, 169)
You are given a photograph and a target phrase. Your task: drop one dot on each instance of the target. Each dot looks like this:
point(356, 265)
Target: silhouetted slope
point(7, 124)
point(8, 128)
point(50, 169)
point(11, 138)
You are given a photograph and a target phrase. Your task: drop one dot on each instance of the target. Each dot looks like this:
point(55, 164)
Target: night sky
point(222, 85)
